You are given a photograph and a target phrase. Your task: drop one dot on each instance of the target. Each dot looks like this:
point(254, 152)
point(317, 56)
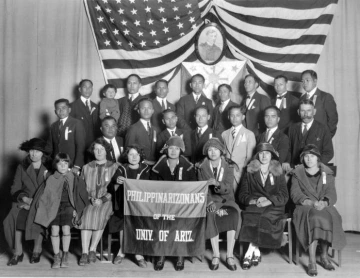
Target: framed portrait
point(210, 44)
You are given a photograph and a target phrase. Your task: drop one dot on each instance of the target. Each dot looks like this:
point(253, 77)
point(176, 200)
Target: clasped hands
point(96, 202)
point(213, 182)
point(27, 202)
point(260, 202)
point(318, 205)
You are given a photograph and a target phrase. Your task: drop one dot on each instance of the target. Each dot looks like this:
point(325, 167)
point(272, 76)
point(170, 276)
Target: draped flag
point(153, 37)
point(164, 218)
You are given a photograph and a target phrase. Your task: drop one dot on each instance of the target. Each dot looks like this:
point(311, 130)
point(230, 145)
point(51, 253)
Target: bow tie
point(248, 97)
point(280, 97)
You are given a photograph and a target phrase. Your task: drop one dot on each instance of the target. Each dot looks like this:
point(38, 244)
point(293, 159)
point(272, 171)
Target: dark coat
point(49, 202)
point(318, 135)
point(185, 108)
point(326, 112)
point(26, 184)
point(184, 171)
point(90, 121)
point(221, 120)
point(156, 118)
point(137, 134)
point(280, 142)
point(110, 156)
point(263, 226)
point(198, 143)
point(165, 135)
point(301, 190)
point(288, 114)
point(72, 140)
point(222, 196)
point(254, 115)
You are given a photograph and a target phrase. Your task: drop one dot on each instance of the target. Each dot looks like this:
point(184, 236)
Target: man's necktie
point(197, 99)
point(131, 98)
point(172, 133)
point(149, 129)
point(233, 132)
point(307, 96)
point(280, 97)
point(112, 152)
point(247, 101)
point(221, 109)
point(88, 105)
point(199, 132)
point(163, 105)
point(305, 130)
point(267, 135)
point(61, 125)
point(215, 171)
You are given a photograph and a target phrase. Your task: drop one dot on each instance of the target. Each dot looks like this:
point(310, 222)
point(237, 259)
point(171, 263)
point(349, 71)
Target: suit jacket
point(221, 121)
point(280, 142)
point(318, 134)
point(137, 134)
point(156, 119)
point(185, 108)
point(197, 143)
point(110, 156)
point(133, 107)
point(90, 121)
point(288, 113)
point(165, 135)
point(71, 139)
point(254, 115)
point(241, 148)
point(326, 112)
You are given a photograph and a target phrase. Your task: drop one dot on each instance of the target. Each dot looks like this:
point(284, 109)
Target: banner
point(164, 218)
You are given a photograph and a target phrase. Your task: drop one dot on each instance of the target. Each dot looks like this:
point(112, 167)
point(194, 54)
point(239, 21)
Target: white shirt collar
point(195, 95)
point(144, 122)
point(218, 168)
point(170, 130)
point(64, 120)
point(251, 95)
point(85, 99)
point(308, 125)
point(225, 103)
point(271, 130)
point(108, 140)
point(283, 94)
point(133, 96)
point(312, 92)
point(203, 129)
point(237, 129)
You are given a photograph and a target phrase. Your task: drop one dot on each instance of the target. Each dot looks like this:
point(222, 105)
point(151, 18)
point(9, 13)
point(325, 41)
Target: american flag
point(153, 37)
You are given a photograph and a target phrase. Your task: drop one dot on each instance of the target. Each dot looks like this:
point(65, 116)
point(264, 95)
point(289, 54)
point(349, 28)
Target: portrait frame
point(210, 50)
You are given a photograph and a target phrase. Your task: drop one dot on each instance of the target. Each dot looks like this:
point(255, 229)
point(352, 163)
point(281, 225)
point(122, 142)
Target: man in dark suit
point(275, 136)
point(220, 116)
point(86, 111)
point(325, 105)
point(255, 104)
point(286, 102)
point(108, 129)
point(201, 134)
point(143, 133)
point(170, 120)
point(128, 104)
point(309, 131)
point(67, 135)
point(187, 104)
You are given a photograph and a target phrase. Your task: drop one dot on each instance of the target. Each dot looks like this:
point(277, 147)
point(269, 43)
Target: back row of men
point(287, 122)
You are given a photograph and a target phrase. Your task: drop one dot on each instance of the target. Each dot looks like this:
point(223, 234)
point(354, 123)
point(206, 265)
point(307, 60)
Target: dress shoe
point(180, 265)
point(65, 260)
point(326, 264)
point(246, 264)
point(141, 263)
point(118, 260)
point(84, 260)
point(255, 260)
point(35, 258)
point(215, 266)
point(312, 271)
point(92, 257)
point(159, 263)
point(57, 261)
point(230, 262)
point(16, 259)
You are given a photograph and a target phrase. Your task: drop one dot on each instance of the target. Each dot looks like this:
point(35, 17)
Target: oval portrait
point(210, 44)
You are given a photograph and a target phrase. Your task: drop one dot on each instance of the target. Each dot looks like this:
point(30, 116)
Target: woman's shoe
point(57, 261)
point(92, 257)
point(255, 260)
point(16, 259)
point(246, 264)
point(118, 260)
point(65, 260)
point(326, 264)
point(141, 263)
point(84, 260)
point(180, 265)
point(230, 262)
point(215, 266)
point(312, 271)
point(159, 263)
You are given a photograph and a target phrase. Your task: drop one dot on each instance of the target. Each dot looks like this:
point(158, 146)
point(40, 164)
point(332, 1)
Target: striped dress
point(97, 178)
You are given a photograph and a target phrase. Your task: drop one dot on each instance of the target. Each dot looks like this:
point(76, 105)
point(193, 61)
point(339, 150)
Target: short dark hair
point(61, 157)
point(62, 100)
point(227, 86)
point(134, 74)
point(106, 87)
point(253, 76)
point(281, 76)
point(312, 73)
point(136, 147)
point(107, 118)
point(242, 109)
point(202, 107)
point(168, 111)
point(307, 101)
point(273, 107)
point(101, 141)
point(163, 81)
point(197, 75)
point(143, 100)
point(85, 80)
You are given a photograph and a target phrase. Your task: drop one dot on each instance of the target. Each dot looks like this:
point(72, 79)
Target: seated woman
point(173, 166)
point(98, 174)
point(264, 193)
point(28, 183)
point(223, 214)
point(315, 218)
point(133, 168)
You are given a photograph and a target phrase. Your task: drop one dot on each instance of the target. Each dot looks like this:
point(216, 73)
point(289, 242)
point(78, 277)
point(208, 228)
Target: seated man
point(170, 120)
point(108, 129)
point(143, 133)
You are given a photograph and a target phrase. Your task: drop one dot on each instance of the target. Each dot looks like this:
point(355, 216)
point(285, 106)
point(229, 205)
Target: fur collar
point(274, 168)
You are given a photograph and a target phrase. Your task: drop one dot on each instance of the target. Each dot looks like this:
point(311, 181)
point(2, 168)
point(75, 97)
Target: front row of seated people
point(90, 201)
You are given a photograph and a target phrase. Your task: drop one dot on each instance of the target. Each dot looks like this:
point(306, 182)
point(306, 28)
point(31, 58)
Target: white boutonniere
point(271, 179)
point(154, 135)
point(180, 173)
point(92, 110)
point(324, 177)
point(243, 138)
point(203, 103)
point(67, 131)
point(221, 174)
point(272, 139)
point(210, 135)
point(318, 139)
